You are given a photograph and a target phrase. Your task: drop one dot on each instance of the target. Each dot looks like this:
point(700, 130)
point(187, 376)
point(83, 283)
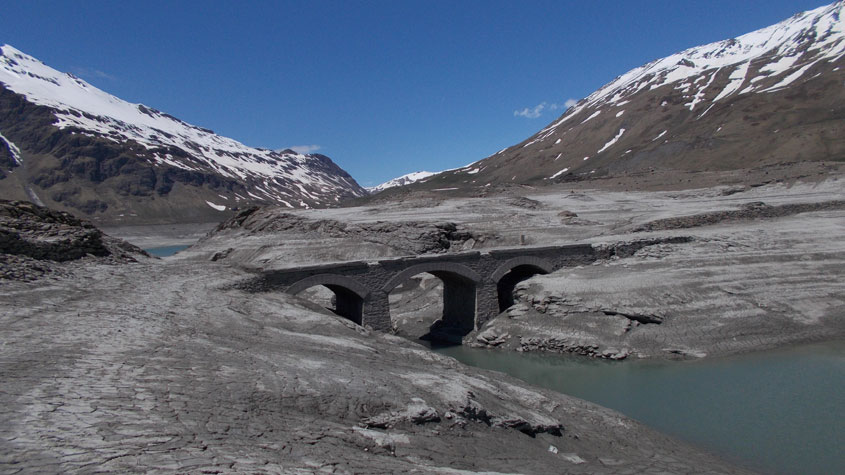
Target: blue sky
point(382, 87)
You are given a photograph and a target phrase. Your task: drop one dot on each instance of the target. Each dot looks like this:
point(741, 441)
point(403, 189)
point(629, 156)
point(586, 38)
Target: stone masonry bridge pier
point(477, 286)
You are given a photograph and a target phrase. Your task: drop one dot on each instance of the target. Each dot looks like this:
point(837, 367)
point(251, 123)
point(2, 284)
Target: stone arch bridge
point(477, 286)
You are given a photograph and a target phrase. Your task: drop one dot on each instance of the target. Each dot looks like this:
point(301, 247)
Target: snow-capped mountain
point(74, 146)
point(773, 96)
point(400, 181)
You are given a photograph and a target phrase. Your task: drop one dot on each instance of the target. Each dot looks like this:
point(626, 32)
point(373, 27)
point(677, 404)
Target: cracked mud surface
point(151, 367)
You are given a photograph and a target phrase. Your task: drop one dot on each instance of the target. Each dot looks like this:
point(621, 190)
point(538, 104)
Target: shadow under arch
point(459, 298)
point(349, 294)
point(514, 271)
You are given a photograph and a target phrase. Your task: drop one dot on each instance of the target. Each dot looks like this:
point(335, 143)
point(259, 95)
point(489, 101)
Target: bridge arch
point(460, 285)
point(349, 294)
point(514, 271)
point(451, 268)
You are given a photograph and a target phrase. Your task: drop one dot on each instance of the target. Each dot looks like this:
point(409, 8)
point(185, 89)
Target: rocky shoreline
point(734, 288)
point(161, 365)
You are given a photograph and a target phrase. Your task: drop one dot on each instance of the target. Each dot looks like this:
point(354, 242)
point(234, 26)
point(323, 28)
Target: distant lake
point(775, 411)
point(165, 251)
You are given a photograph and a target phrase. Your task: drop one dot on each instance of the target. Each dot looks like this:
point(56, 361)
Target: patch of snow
point(559, 173)
point(35, 199)
point(534, 141)
point(700, 94)
point(612, 141)
point(705, 111)
point(594, 115)
point(747, 90)
point(586, 158)
point(789, 79)
point(619, 114)
point(217, 207)
point(557, 141)
point(779, 66)
point(736, 79)
point(661, 135)
point(16, 152)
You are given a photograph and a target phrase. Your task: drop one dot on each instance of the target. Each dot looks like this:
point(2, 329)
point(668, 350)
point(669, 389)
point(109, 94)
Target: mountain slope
point(769, 97)
point(75, 147)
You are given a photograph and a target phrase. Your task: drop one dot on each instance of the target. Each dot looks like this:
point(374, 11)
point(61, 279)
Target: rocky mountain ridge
point(72, 146)
point(767, 98)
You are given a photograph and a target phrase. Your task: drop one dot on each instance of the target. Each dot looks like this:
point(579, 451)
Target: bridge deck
point(474, 281)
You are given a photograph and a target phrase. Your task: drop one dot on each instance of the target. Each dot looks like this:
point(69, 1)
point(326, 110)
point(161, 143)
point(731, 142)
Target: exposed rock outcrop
point(748, 211)
point(33, 239)
point(386, 238)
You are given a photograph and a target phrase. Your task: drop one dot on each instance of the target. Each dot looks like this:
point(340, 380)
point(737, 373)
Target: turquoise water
point(165, 251)
point(777, 412)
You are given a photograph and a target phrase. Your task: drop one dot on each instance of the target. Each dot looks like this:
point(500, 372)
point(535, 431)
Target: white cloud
point(537, 111)
point(305, 148)
point(531, 112)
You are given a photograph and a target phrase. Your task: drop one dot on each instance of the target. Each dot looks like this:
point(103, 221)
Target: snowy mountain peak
point(282, 177)
point(400, 181)
point(785, 51)
point(769, 98)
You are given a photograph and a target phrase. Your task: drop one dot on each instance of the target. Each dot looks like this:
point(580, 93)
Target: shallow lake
point(775, 411)
point(165, 251)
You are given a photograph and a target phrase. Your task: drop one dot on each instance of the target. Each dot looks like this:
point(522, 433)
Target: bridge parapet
point(407, 261)
point(281, 279)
